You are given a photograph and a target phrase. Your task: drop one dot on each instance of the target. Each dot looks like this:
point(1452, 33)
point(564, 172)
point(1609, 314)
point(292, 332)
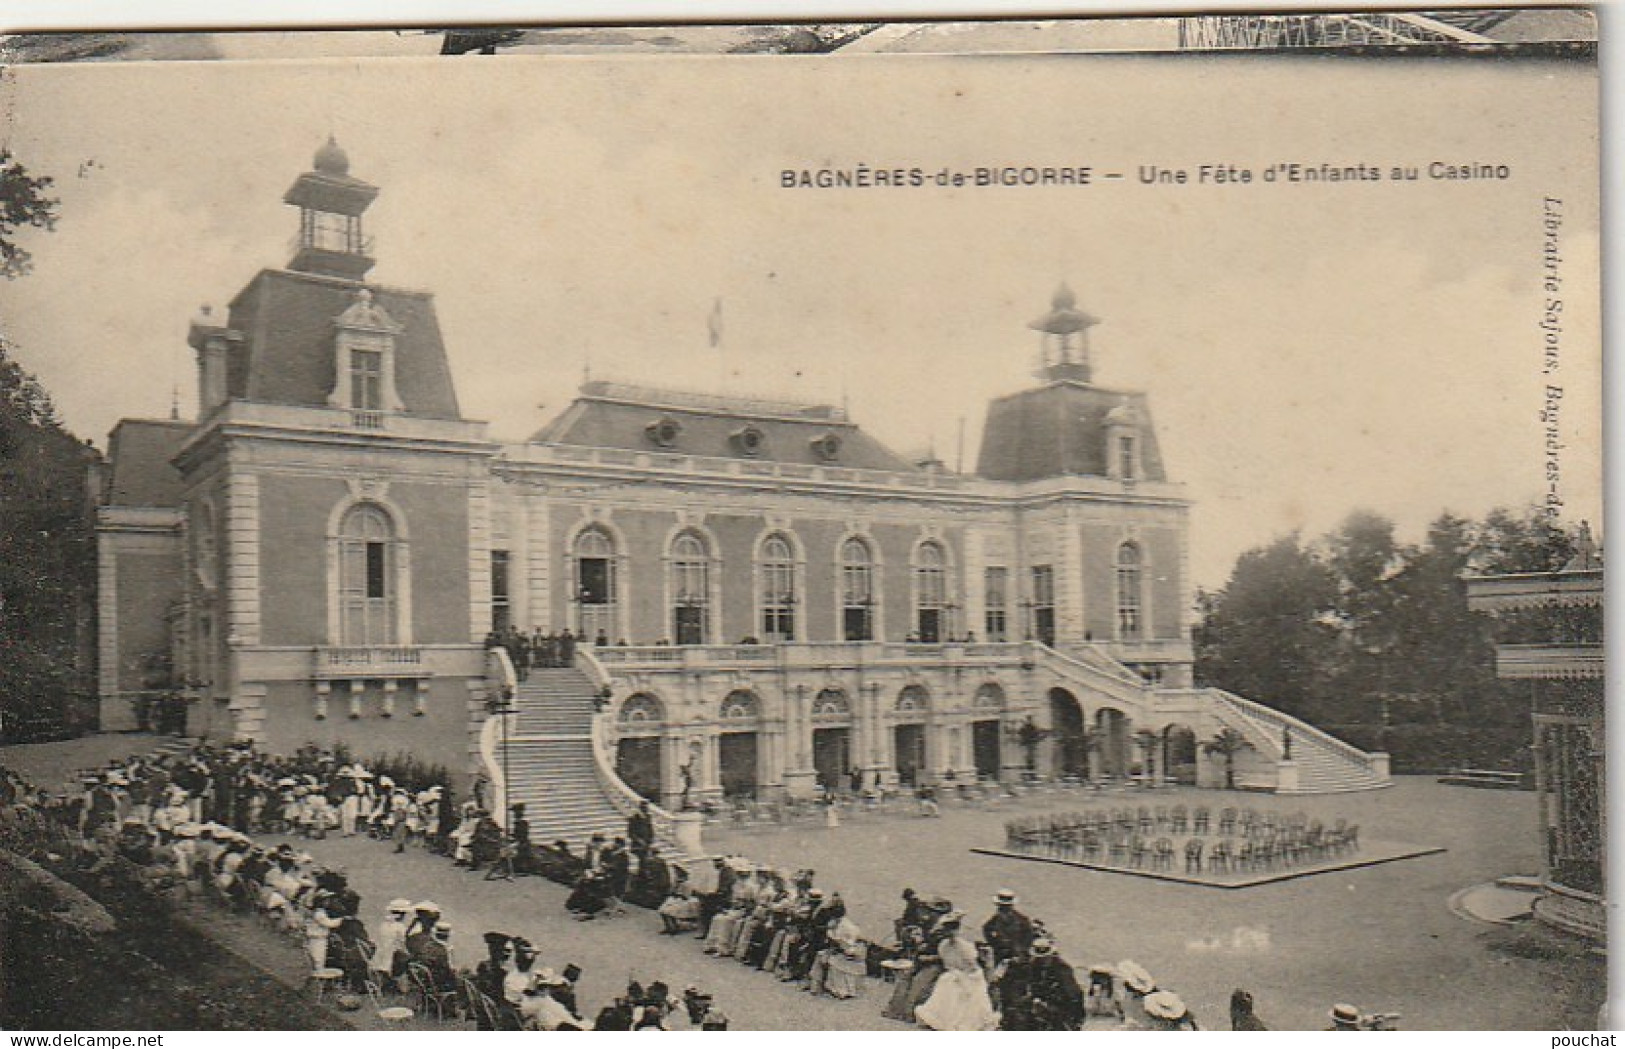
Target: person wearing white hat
point(1009, 933)
point(1039, 992)
point(1344, 1017)
point(1137, 984)
point(389, 954)
point(1166, 1011)
point(542, 1010)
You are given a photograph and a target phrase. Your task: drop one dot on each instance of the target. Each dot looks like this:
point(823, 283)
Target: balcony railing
point(370, 661)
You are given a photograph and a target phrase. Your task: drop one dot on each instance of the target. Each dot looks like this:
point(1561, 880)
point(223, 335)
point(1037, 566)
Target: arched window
point(930, 592)
point(778, 595)
point(740, 705)
point(857, 591)
point(913, 699)
point(1130, 623)
point(690, 589)
point(641, 709)
point(369, 583)
point(831, 705)
point(596, 591)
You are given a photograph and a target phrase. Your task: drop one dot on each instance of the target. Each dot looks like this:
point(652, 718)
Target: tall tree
point(1271, 633)
point(47, 550)
point(1365, 558)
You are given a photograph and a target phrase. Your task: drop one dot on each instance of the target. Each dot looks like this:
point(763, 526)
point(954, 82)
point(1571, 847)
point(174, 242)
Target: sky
point(1308, 349)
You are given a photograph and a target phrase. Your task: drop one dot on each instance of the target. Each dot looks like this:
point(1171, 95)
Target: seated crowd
point(136, 812)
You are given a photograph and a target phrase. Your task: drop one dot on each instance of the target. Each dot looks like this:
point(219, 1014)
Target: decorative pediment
point(366, 315)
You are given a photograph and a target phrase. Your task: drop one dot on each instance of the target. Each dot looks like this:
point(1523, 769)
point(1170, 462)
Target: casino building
point(788, 603)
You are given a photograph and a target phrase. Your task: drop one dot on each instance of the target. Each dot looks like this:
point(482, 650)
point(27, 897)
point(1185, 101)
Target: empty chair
point(1200, 820)
point(1219, 858)
point(1164, 854)
point(1227, 822)
point(1179, 819)
point(1193, 856)
point(1162, 817)
point(1137, 852)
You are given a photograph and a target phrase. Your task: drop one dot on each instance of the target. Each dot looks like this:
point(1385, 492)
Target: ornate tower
point(330, 203)
point(1065, 329)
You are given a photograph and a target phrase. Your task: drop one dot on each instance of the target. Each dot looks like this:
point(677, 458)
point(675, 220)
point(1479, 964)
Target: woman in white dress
point(959, 1001)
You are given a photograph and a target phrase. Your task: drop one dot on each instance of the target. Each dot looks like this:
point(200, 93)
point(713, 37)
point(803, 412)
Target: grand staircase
point(1324, 763)
point(551, 762)
point(1321, 763)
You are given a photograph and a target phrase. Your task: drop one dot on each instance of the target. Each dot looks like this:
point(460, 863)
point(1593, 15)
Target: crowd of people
point(188, 823)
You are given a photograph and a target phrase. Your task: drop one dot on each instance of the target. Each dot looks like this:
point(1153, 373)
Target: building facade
point(778, 600)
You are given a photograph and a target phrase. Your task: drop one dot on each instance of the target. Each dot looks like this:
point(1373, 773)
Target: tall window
point(368, 588)
point(1044, 603)
point(930, 592)
point(366, 380)
point(857, 591)
point(1126, 458)
point(778, 580)
point(997, 621)
point(690, 589)
point(501, 600)
point(1129, 620)
point(595, 583)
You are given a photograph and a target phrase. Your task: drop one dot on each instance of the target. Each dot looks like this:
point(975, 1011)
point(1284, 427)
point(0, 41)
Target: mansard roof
point(140, 472)
point(626, 416)
point(1059, 430)
point(287, 354)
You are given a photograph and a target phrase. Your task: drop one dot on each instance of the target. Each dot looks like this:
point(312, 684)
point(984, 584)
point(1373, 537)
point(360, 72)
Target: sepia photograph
point(1072, 525)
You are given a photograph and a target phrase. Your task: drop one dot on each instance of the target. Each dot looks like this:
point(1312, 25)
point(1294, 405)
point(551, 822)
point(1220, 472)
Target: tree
point(1510, 541)
point(23, 203)
point(1271, 633)
point(1227, 744)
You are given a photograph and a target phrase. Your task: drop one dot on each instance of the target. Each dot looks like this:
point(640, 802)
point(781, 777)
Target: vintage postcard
point(1048, 525)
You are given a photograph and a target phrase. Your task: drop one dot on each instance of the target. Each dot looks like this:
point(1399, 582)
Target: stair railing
point(502, 685)
point(624, 799)
point(1302, 730)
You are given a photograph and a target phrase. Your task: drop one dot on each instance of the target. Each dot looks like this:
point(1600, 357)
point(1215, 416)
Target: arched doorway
point(1179, 754)
point(986, 733)
point(738, 743)
point(832, 739)
point(1113, 741)
point(637, 749)
point(908, 736)
point(1071, 741)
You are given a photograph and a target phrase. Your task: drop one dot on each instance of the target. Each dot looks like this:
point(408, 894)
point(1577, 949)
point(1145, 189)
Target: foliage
point(1436, 749)
point(1271, 632)
point(1227, 743)
point(47, 553)
point(1360, 628)
point(23, 202)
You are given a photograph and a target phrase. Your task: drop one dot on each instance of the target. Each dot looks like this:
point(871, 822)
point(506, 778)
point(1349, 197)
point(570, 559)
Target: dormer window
point(364, 359)
point(827, 447)
point(1127, 458)
point(664, 431)
point(1123, 442)
point(749, 440)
